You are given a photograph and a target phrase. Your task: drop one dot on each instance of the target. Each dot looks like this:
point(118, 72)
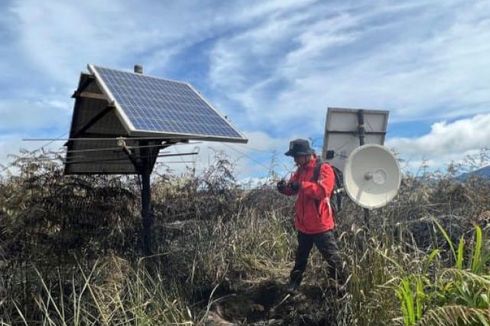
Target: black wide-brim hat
point(299, 147)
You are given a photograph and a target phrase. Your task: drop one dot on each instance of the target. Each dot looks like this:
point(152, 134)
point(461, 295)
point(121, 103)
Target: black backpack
point(338, 187)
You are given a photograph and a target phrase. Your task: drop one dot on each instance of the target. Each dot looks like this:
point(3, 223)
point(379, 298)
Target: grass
point(70, 254)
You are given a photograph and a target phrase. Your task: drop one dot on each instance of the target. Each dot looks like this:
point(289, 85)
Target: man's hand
point(294, 186)
point(281, 185)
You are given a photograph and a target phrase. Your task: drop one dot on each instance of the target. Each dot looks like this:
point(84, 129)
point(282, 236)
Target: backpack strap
point(316, 171)
point(334, 203)
point(315, 177)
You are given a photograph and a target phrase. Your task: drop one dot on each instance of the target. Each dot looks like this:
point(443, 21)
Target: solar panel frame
point(341, 132)
point(135, 130)
point(97, 160)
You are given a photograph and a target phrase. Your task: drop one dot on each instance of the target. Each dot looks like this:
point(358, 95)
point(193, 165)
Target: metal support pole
point(143, 158)
point(360, 126)
point(361, 131)
point(146, 211)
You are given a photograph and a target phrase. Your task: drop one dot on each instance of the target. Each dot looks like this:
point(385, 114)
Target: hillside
point(482, 173)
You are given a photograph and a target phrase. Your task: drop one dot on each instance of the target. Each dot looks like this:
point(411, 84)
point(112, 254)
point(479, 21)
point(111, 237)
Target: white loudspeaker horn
point(372, 176)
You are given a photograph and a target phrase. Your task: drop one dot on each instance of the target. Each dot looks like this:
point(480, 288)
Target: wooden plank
point(91, 122)
point(96, 96)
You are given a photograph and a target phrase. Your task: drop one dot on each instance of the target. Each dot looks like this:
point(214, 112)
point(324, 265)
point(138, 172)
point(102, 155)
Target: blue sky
point(273, 67)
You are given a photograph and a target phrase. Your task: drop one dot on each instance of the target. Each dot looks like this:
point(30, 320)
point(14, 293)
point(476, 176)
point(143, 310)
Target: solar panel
point(342, 133)
point(150, 105)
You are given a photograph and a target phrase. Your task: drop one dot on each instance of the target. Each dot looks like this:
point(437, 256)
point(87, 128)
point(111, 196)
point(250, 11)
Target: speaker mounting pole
point(361, 132)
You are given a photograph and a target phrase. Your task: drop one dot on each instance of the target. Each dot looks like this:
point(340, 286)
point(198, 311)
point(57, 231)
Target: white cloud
point(277, 64)
point(445, 142)
point(321, 37)
point(59, 36)
point(417, 60)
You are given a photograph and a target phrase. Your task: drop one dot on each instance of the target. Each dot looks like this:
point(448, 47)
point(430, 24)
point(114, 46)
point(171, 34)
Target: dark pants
point(326, 244)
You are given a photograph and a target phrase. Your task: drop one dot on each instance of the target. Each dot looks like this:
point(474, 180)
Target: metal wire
point(268, 168)
point(109, 159)
point(182, 138)
point(120, 148)
point(109, 149)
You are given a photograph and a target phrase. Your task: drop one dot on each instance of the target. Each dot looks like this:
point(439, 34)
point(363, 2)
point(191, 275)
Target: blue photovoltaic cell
point(164, 106)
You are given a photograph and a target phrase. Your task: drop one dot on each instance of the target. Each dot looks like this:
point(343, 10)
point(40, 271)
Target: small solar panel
point(342, 132)
point(150, 105)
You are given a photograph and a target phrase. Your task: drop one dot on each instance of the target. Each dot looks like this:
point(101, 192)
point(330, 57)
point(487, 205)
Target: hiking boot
point(294, 281)
point(292, 288)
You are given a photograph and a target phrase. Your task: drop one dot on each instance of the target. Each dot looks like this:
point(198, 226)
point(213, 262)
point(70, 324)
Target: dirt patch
point(267, 303)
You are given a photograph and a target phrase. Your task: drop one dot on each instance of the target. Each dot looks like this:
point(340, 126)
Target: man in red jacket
point(314, 219)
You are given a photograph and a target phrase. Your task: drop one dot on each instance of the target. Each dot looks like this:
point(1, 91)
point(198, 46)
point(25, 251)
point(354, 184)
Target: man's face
point(302, 160)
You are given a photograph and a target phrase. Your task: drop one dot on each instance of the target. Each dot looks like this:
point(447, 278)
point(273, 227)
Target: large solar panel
point(150, 105)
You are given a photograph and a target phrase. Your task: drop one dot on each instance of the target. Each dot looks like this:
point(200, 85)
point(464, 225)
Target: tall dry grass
point(70, 253)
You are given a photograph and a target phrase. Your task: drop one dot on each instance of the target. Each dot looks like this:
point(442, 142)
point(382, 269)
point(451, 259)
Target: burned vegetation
point(70, 252)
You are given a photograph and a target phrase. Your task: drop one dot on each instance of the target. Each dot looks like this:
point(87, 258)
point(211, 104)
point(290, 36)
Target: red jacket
point(313, 211)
